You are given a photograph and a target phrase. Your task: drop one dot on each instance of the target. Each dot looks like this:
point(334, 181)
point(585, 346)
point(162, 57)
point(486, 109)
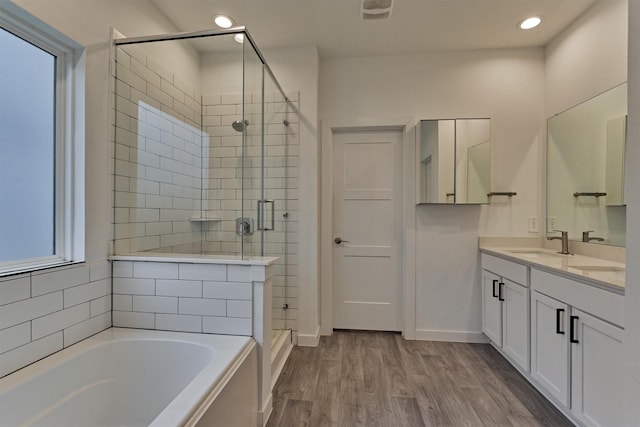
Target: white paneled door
point(367, 208)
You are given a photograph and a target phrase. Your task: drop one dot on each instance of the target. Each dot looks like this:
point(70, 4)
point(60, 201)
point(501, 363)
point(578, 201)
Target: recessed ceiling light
point(530, 23)
point(239, 38)
point(223, 21)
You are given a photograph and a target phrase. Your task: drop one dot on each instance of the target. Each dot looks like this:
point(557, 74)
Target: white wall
point(505, 85)
point(588, 57)
point(632, 291)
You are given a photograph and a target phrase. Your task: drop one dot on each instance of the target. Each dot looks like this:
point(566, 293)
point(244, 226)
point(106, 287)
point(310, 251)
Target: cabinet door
point(597, 371)
point(491, 308)
point(515, 338)
point(550, 345)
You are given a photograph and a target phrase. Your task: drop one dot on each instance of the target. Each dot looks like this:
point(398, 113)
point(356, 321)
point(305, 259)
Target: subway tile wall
point(186, 297)
point(167, 170)
point(224, 183)
point(158, 155)
point(45, 311)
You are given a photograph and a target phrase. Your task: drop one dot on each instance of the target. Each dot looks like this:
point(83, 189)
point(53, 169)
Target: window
point(41, 145)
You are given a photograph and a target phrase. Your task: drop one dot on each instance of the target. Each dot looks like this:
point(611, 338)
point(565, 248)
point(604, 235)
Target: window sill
point(38, 267)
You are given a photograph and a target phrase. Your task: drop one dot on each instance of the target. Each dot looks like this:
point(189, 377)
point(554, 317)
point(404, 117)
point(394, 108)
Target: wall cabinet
point(505, 308)
point(453, 161)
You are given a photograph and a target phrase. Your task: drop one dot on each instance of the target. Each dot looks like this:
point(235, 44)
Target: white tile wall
point(226, 290)
point(158, 145)
point(224, 184)
point(226, 325)
point(205, 298)
point(45, 311)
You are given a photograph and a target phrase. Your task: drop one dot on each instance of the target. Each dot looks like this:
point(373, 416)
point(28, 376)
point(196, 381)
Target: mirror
point(453, 161)
point(585, 169)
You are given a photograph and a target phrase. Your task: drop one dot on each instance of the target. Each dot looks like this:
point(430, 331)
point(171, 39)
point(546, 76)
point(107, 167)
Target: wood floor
point(379, 379)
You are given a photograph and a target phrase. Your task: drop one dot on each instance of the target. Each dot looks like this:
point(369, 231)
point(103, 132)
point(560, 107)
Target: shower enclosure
point(206, 154)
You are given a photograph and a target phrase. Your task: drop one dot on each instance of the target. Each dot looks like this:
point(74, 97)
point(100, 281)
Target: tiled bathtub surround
point(186, 296)
point(45, 311)
point(198, 294)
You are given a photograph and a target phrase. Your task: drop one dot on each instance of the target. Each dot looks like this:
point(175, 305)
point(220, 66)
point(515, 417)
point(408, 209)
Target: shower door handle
point(261, 210)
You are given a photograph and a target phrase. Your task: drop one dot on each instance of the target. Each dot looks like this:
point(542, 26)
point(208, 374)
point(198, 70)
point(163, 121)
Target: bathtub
point(132, 377)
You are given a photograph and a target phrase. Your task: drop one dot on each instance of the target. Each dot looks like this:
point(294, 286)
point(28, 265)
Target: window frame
point(69, 220)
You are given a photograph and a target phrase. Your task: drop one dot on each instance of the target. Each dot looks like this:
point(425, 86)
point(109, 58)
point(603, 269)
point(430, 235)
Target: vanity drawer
point(606, 305)
point(506, 269)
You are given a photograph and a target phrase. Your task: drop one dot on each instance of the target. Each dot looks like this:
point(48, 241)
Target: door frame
point(408, 218)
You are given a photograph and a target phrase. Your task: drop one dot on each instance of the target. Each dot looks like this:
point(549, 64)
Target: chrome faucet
point(565, 241)
point(586, 238)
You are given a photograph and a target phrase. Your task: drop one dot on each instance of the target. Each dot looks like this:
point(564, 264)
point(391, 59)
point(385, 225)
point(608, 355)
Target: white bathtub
point(131, 377)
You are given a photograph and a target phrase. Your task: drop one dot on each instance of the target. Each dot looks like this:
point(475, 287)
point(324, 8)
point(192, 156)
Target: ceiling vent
point(376, 9)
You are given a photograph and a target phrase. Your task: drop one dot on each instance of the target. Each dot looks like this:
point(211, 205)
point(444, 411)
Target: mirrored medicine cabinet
point(585, 169)
point(453, 161)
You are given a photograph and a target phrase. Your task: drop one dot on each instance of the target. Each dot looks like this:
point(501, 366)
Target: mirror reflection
point(454, 161)
point(585, 169)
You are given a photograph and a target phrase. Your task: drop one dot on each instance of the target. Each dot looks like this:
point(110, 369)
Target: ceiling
point(335, 26)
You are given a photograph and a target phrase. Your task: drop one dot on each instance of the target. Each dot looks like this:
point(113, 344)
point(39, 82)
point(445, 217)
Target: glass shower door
point(252, 220)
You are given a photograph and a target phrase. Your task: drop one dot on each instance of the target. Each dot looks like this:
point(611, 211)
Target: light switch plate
point(533, 224)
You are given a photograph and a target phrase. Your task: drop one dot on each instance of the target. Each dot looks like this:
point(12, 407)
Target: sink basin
point(536, 253)
point(607, 273)
point(603, 268)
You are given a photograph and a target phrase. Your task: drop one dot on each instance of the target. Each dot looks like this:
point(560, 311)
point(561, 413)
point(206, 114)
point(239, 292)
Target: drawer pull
point(559, 320)
point(574, 331)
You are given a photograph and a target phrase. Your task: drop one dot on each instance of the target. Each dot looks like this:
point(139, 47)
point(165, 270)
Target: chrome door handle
point(339, 240)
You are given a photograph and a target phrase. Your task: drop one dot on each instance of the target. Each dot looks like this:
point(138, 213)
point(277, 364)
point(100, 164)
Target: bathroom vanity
point(559, 320)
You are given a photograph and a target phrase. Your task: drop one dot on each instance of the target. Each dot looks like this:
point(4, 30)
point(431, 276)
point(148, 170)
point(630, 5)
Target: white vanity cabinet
point(505, 308)
point(576, 347)
point(550, 345)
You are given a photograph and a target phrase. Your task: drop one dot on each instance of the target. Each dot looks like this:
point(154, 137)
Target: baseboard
point(279, 355)
point(265, 413)
point(451, 336)
point(306, 340)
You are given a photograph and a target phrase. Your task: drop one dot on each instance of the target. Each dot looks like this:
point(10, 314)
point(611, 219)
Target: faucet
point(565, 241)
point(586, 238)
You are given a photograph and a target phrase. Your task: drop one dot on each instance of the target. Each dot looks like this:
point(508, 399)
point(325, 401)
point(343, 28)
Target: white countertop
point(600, 272)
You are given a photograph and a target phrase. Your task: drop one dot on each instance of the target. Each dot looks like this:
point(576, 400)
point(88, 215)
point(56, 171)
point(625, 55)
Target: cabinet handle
point(574, 332)
point(559, 321)
point(500, 285)
point(495, 282)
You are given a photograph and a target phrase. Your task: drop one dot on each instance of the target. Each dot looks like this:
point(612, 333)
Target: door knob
point(339, 240)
